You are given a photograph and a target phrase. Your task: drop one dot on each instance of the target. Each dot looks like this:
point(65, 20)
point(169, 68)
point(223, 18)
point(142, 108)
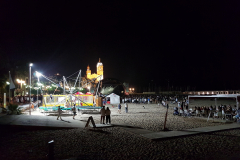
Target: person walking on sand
point(126, 107)
point(108, 118)
point(119, 108)
point(59, 113)
point(102, 111)
point(74, 111)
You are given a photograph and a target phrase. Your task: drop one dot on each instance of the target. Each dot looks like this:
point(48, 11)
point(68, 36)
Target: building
point(99, 74)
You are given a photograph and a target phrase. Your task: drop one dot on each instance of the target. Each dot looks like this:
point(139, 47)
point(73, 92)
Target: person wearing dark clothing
point(102, 111)
point(182, 105)
point(108, 118)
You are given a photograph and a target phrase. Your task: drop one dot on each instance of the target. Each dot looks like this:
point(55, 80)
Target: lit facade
point(99, 72)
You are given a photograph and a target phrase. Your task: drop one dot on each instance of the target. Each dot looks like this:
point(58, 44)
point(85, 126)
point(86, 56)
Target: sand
point(117, 143)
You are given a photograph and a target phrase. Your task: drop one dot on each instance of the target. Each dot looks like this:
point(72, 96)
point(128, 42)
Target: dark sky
point(189, 43)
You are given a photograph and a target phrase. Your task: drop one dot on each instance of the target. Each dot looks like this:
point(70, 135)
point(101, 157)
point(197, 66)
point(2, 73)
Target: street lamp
point(38, 74)
point(39, 84)
point(30, 65)
point(8, 83)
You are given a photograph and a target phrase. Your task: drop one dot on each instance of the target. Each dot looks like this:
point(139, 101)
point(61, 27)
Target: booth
point(114, 99)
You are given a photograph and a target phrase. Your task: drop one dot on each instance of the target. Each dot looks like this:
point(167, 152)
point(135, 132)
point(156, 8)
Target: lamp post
point(38, 75)
point(30, 65)
point(9, 91)
point(37, 97)
point(36, 88)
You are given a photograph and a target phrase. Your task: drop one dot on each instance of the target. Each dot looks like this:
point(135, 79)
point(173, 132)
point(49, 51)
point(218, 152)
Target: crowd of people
point(25, 99)
point(148, 99)
point(222, 111)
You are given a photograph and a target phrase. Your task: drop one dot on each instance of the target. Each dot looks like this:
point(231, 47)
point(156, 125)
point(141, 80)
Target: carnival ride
point(70, 96)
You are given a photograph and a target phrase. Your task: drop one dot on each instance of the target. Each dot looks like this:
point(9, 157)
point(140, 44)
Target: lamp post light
point(131, 90)
point(30, 65)
point(21, 82)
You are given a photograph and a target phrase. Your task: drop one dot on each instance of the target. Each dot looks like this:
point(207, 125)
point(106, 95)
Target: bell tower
point(100, 69)
point(88, 72)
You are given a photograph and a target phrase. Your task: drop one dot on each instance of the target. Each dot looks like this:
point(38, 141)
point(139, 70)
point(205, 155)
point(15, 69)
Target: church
point(99, 74)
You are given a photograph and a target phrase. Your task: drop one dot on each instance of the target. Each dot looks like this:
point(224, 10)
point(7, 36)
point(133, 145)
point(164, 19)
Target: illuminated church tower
point(89, 75)
point(100, 69)
point(88, 72)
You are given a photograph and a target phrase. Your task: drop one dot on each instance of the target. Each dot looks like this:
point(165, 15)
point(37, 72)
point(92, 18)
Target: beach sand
point(117, 143)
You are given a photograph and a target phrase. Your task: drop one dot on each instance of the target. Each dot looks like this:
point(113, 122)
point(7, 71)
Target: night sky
point(188, 43)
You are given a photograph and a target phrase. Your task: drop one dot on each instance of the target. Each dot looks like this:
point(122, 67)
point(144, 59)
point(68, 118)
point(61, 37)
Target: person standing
point(67, 104)
point(32, 106)
point(59, 113)
point(50, 97)
point(102, 111)
point(237, 115)
point(179, 104)
point(119, 108)
point(126, 107)
point(182, 106)
point(108, 118)
point(74, 111)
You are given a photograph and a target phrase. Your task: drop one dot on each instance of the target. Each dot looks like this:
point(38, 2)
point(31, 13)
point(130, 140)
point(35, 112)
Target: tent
point(114, 99)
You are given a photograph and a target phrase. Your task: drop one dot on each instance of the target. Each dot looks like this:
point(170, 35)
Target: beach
point(118, 143)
